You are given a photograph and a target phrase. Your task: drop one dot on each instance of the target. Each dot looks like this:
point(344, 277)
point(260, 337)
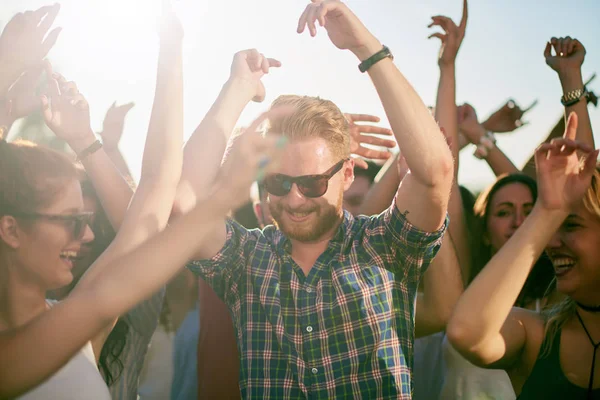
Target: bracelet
point(375, 58)
point(486, 143)
point(88, 151)
point(573, 97)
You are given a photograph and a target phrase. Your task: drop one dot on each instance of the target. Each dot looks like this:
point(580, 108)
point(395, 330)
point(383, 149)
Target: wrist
point(570, 80)
point(82, 142)
point(474, 135)
point(371, 46)
point(554, 216)
point(245, 88)
point(447, 65)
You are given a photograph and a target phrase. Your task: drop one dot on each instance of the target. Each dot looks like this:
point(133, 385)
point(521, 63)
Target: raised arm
point(67, 114)
point(445, 107)
point(446, 115)
point(381, 194)
point(24, 43)
point(204, 150)
point(567, 60)
point(484, 327)
point(112, 131)
point(486, 146)
point(557, 131)
point(115, 286)
point(424, 192)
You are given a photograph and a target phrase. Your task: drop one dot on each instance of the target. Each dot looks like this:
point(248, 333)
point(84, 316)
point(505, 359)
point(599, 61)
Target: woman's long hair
point(541, 278)
point(109, 363)
point(557, 316)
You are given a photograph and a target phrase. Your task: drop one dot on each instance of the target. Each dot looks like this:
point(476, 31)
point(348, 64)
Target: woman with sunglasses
point(545, 355)
point(43, 228)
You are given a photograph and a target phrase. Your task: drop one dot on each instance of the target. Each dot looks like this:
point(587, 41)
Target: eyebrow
point(72, 210)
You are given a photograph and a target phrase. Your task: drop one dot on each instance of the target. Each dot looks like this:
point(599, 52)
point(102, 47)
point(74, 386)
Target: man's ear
point(348, 174)
point(9, 231)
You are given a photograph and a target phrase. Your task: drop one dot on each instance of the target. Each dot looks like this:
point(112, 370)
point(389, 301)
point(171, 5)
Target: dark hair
point(541, 276)
point(31, 176)
point(369, 173)
point(110, 364)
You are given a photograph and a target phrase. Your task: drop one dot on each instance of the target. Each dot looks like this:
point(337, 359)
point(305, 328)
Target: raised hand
point(249, 157)
point(66, 111)
point(452, 37)
point(468, 124)
point(114, 122)
point(569, 54)
point(170, 30)
point(507, 118)
point(360, 134)
point(24, 43)
point(562, 178)
point(22, 97)
point(345, 30)
point(248, 67)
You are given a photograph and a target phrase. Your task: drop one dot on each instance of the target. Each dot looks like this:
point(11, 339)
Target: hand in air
point(569, 54)
point(468, 124)
point(249, 157)
point(361, 134)
point(452, 37)
point(507, 118)
point(249, 66)
point(25, 40)
point(344, 28)
point(562, 177)
point(22, 95)
point(65, 110)
point(114, 122)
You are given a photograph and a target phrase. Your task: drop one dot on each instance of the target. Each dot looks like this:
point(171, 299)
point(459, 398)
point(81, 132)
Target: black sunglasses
point(309, 185)
point(76, 222)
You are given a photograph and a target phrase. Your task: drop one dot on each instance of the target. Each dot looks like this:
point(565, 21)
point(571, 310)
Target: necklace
point(589, 308)
point(595, 346)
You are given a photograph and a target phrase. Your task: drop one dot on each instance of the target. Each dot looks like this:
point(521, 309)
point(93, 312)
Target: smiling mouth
point(298, 216)
point(562, 265)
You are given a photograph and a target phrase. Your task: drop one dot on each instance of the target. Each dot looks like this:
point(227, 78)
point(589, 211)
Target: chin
point(566, 286)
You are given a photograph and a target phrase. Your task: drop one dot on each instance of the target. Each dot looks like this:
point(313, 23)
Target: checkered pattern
point(344, 331)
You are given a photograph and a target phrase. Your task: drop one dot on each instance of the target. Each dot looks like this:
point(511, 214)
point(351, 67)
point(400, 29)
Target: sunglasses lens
point(313, 187)
point(277, 185)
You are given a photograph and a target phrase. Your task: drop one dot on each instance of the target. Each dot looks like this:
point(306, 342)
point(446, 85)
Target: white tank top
point(79, 379)
point(465, 381)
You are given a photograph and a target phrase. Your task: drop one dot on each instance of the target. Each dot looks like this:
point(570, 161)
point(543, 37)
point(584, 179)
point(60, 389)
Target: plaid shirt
point(344, 331)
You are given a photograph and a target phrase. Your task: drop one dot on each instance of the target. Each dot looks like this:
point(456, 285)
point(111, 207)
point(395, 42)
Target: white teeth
point(68, 254)
point(563, 262)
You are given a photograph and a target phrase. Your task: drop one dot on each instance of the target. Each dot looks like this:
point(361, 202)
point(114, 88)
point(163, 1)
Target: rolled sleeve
point(223, 271)
point(407, 249)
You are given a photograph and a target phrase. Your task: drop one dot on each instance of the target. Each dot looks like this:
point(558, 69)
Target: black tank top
point(547, 380)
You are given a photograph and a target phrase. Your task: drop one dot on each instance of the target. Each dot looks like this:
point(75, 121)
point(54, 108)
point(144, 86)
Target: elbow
point(464, 340)
point(440, 171)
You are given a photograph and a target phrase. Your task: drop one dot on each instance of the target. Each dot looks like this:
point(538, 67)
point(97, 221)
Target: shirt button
point(309, 329)
point(314, 370)
point(308, 290)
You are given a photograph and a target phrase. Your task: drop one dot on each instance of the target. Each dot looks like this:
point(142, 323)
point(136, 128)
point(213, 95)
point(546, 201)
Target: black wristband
point(375, 58)
point(91, 149)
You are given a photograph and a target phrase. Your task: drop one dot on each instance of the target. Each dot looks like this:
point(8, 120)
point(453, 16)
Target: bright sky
point(109, 48)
